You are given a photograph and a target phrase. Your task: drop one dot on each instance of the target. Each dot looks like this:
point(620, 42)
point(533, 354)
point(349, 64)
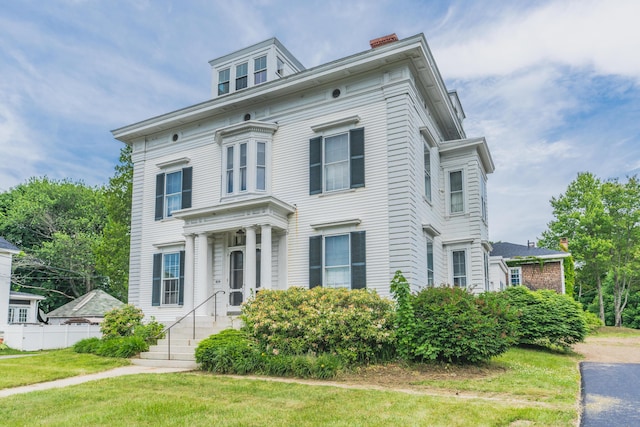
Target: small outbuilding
point(531, 266)
point(89, 308)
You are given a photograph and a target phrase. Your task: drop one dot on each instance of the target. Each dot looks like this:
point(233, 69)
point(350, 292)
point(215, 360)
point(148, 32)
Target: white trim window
point(245, 167)
point(459, 267)
point(430, 275)
point(337, 262)
point(223, 81)
point(336, 162)
point(456, 192)
point(18, 315)
point(168, 278)
point(260, 70)
point(427, 172)
point(242, 79)
point(515, 276)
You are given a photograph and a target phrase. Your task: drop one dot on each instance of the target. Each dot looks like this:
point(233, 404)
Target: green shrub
point(228, 352)
point(592, 321)
point(452, 325)
point(547, 318)
point(151, 331)
point(88, 345)
point(121, 322)
point(355, 325)
point(124, 347)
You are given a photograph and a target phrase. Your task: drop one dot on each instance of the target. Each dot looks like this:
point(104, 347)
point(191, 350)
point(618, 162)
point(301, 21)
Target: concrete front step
point(157, 363)
point(163, 355)
point(174, 348)
point(179, 341)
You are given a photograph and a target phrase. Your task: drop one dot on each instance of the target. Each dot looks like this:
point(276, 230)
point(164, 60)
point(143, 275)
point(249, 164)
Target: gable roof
point(511, 250)
point(92, 304)
point(24, 296)
point(8, 247)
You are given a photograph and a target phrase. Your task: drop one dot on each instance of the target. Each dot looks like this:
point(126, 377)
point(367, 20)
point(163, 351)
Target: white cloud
point(588, 33)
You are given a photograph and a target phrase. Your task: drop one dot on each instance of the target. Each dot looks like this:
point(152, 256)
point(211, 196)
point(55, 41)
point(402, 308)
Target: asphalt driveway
point(610, 394)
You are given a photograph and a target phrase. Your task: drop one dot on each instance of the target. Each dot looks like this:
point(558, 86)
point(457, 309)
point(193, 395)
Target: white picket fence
point(46, 337)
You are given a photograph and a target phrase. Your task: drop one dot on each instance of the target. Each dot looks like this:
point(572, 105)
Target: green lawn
point(535, 375)
point(613, 332)
point(525, 387)
point(51, 365)
point(194, 399)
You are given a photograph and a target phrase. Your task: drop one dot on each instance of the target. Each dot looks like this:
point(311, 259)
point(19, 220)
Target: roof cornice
point(414, 48)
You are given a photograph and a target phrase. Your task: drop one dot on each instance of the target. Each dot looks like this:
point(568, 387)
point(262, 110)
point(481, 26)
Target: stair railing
point(215, 317)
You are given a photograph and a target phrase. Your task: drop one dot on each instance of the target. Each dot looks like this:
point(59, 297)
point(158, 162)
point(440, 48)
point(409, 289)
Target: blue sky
point(554, 86)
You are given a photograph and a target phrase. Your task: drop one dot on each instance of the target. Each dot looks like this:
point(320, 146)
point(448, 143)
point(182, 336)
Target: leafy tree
point(602, 222)
point(112, 252)
point(57, 224)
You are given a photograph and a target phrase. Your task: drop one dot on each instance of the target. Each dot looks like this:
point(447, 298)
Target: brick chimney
point(380, 41)
point(564, 244)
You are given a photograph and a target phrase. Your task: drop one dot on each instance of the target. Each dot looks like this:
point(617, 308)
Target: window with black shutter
point(338, 261)
point(336, 162)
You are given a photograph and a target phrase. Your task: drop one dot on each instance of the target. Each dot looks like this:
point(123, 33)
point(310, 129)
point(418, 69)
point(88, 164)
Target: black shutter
point(157, 279)
point(187, 174)
point(315, 261)
point(159, 196)
point(356, 146)
point(315, 165)
point(181, 280)
point(358, 260)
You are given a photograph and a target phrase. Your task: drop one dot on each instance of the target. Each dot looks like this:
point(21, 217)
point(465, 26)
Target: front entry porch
point(238, 248)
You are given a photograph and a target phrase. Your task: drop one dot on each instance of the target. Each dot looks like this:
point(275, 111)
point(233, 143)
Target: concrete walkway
point(117, 372)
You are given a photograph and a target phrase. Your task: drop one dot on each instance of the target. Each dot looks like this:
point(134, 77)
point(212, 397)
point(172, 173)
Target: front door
point(236, 279)
point(237, 266)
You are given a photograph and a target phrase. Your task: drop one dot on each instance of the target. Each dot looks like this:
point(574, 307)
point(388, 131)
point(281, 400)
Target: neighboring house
point(333, 176)
point(536, 268)
point(15, 307)
point(89, 308)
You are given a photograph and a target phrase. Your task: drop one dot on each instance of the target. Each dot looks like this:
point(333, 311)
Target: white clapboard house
point(336, 176)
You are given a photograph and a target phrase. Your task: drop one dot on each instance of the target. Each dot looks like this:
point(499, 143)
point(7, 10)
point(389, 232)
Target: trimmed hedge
point(547, 318)
point(123, 347)
point(233, 352)
point(355, 325)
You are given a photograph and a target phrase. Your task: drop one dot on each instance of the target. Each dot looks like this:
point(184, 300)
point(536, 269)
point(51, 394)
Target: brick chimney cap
point(383, 40)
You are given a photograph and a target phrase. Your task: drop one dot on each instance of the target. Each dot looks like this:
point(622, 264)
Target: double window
point(18, 315)
point(336, 162)
point(223, 81)
point(168, 279)
point(338, 261)
point(173, 192)
point(515, 276)
point(456, 192)
point(459, 261)
point(241, 76)
point(260, 70)
point(245, 167)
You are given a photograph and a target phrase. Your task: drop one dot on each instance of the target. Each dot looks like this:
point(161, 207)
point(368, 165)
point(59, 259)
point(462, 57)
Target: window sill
point(331, 193)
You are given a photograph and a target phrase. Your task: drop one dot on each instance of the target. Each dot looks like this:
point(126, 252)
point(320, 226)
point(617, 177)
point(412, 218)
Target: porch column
point(201, 275)
point(265, 260)
point(250, 266)
point(189, 249)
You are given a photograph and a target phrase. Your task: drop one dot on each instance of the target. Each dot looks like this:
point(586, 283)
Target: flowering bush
point(355, 325)
point(127, 321)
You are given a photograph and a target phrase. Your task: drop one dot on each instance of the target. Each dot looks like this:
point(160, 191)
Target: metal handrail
point(215, 317)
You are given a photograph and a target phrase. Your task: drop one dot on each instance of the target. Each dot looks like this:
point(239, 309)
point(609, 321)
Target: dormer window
point(241, 76)
point(223, 81)
point(260, 70)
